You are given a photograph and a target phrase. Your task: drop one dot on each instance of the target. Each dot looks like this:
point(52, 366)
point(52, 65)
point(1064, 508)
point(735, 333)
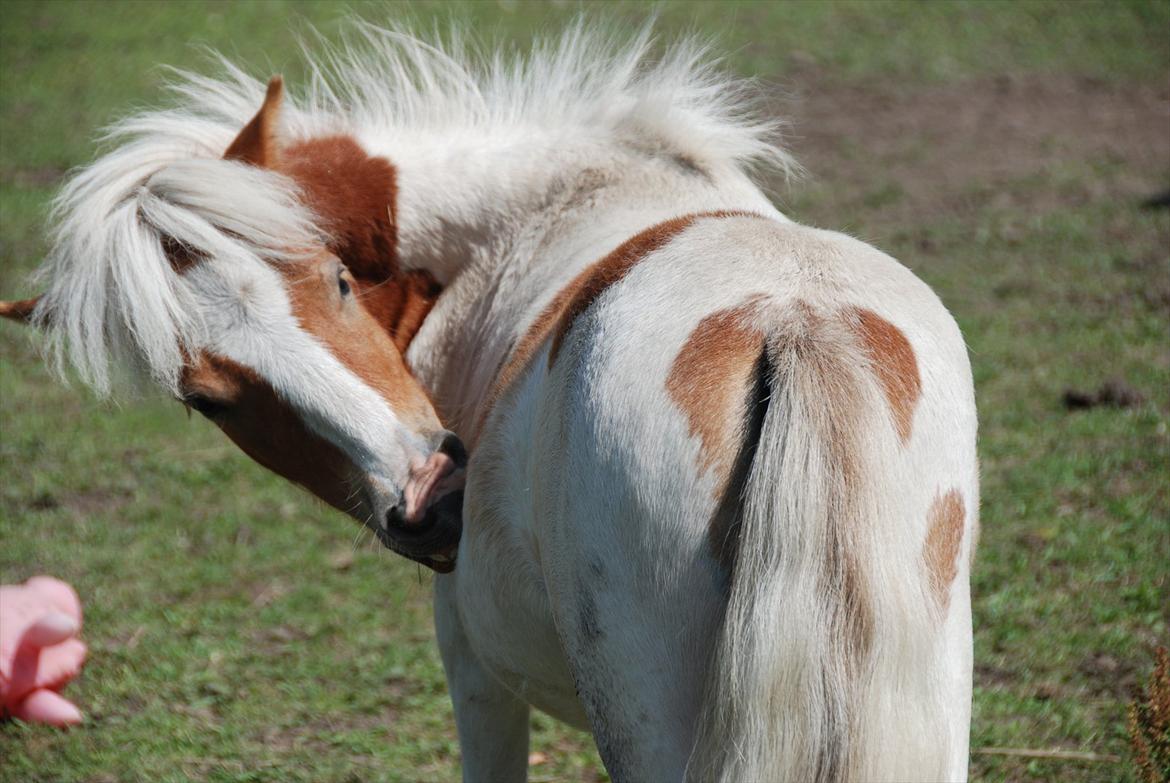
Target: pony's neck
point(460, 198)
point(502, 221)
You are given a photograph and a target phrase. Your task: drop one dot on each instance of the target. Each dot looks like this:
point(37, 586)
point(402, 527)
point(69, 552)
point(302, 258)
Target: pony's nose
point(396, 521)
point(454, 448)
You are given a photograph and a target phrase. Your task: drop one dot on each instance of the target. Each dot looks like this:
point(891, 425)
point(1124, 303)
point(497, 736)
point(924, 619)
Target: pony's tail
point(828, 666)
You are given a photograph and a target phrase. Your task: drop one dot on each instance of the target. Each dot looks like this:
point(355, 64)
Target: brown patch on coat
point(257, 143)
point(355, 337)
point(593, 281)
point(356, 196)
point(268, 430)
point(709, 378)
point(944, 536)
point(402, 303)
point(583, 290)
point(892, 359)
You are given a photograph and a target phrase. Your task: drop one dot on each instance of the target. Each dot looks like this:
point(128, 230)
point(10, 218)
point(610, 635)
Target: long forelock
point(114, 298)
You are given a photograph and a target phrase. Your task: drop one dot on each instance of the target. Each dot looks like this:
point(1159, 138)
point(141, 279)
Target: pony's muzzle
point(434, 541)
point(426, 524)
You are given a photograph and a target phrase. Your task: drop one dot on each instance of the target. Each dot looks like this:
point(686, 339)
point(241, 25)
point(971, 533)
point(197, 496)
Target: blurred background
point(1003, 151)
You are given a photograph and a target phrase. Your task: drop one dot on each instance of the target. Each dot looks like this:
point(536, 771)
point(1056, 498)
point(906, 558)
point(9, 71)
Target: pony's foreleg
point(492, 723)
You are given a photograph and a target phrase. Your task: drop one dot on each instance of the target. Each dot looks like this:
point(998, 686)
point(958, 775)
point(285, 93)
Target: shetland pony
point(722, 489)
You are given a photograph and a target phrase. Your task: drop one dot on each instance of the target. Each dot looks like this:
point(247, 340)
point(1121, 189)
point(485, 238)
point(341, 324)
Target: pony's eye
point(204, 406)
point(342, 283)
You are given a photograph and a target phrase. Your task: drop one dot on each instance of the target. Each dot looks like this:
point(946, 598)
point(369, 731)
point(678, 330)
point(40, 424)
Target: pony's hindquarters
point(743, 481)
point(845, 650)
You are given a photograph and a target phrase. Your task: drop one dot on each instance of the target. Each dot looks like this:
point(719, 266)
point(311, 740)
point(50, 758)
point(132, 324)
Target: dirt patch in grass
point(1008, 142)
point(313, 733)
point(1110, 676)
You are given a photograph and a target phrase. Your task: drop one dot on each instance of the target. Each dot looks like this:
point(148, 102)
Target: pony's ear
point(257, 143)
point(19, 311)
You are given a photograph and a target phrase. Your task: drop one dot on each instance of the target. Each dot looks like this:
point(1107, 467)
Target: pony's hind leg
point(638, 657)
point(492, 723)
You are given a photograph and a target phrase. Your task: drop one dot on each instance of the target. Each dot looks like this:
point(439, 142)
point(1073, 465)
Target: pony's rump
point(822, 671)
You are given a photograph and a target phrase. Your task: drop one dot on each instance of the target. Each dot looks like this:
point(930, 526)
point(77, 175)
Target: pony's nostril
point(396, 521)
point(453, 448)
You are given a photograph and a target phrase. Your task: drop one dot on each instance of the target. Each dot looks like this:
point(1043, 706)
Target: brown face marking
point(356, 195)
point(940, 551)
point(355, 337)
point(709, 380)
point(892, 359)
point(268, 430)
point(583, 290)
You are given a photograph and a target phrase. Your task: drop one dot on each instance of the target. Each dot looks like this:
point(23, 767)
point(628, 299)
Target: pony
point(719, 495)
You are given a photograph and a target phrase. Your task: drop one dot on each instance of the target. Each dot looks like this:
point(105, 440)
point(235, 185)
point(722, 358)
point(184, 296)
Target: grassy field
point(237, 632)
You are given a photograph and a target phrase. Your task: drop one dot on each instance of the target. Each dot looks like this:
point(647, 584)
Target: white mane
point(113, 295)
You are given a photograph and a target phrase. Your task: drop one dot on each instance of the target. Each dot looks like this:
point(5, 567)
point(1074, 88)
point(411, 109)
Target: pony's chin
point(434, 542)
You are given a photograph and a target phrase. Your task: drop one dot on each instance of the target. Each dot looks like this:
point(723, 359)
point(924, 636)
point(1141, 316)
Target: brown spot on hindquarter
point(940, 551)
point(709, 381)
point(571, 301)
point(892, 359)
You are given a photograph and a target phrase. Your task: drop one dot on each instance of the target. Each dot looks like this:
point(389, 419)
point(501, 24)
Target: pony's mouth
point(433, 542)
point(428, 522)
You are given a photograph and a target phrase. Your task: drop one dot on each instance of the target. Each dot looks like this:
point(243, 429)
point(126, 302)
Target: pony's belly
point(557, 699)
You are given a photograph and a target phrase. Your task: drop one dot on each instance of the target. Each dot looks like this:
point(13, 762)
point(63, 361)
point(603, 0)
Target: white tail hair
point(827, 667)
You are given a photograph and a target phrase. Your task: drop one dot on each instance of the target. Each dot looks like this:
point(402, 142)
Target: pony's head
point(261, 288)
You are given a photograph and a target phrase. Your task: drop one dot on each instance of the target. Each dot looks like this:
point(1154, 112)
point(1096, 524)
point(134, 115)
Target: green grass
point(236, 632)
